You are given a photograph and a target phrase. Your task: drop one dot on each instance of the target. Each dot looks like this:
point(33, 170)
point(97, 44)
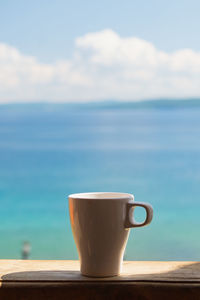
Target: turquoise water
point(49, 151)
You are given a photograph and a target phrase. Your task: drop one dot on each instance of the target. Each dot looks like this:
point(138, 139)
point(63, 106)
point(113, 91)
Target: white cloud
point(104, 66)
point(108, 49)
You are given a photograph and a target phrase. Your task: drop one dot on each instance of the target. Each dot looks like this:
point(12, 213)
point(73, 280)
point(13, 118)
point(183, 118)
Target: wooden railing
point(146, 280)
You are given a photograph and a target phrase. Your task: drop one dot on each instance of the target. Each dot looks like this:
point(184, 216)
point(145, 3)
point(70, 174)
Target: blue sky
point(48, 30)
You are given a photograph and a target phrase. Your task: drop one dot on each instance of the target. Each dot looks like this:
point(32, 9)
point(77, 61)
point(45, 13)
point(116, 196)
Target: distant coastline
point(110, 104)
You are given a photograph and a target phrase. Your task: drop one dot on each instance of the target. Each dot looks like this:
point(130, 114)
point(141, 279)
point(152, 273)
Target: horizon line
point(103, 101)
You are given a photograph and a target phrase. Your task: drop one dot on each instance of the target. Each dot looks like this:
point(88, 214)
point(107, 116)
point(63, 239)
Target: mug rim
point(104, 196)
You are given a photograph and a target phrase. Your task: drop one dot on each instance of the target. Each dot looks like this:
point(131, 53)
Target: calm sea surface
point(49, 151)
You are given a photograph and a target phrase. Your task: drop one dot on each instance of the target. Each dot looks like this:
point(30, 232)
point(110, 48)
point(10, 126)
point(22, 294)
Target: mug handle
point(130, 222)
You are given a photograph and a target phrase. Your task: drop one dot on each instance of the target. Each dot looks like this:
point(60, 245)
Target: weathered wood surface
point(60, 271)
point(62, 280)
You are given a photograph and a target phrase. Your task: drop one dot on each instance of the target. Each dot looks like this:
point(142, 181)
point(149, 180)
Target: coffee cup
point(100, 224)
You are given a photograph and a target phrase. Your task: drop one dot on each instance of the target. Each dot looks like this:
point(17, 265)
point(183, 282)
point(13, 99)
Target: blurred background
point(99, 96)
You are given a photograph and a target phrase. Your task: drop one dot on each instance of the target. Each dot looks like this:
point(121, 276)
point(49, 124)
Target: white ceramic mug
point(100, 223)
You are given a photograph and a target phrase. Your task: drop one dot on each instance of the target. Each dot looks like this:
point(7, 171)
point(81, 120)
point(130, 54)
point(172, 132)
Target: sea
point(150, 149)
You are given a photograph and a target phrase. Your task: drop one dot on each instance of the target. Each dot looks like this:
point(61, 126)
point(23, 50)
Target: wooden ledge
point(21, 279)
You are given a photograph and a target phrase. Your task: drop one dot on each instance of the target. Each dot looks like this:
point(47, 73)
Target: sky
point(99, 50)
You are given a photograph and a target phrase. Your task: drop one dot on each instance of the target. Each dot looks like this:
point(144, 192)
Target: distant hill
point(108, 104)
point(158, 103)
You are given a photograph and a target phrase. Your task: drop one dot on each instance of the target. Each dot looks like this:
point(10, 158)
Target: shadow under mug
point(100, 224)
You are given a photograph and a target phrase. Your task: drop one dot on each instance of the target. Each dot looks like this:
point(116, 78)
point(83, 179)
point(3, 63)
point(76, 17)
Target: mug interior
point(102, 195)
